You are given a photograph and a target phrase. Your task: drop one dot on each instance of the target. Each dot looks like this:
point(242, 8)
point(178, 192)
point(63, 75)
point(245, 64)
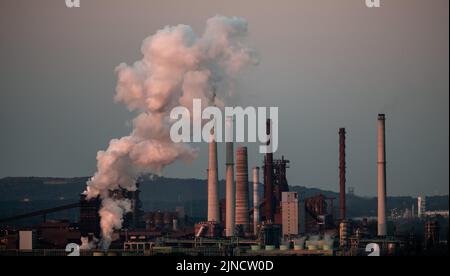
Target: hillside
point(25, 194)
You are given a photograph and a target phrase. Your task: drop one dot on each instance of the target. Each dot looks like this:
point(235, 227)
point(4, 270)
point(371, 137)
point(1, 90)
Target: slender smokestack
point(230, 187)
point(381, 176)
point(342, 174)
point(213, 189)
point(242, 217)
point(268, 178)
point(256, 216)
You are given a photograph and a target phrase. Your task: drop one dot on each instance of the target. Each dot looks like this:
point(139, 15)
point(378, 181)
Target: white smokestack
point(381, 176)
point(230, 185)
point(177, 67)
point(213, 182)
point(256, 201)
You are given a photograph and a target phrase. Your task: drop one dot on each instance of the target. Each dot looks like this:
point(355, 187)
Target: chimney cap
point(381, 116)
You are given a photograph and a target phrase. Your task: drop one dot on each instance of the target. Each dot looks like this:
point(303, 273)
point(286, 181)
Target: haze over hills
point(25, 194)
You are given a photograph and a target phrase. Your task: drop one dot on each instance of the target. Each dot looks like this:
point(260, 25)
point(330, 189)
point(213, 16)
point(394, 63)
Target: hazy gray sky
point(326, 64)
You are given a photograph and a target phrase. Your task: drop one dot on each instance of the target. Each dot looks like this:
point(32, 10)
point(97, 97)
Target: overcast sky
point(326, 64)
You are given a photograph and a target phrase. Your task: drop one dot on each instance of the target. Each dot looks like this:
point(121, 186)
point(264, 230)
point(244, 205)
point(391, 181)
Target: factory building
point(57, 234)
point(134, 219)
point(319, 214)
point(344, 233)
point(165, 221)
point(89, 217)
point(290, 214)
point(432, 231)
point(280, 186)
point(208, 229)
point(421, 206)
point(269, 234)
point(27, 240)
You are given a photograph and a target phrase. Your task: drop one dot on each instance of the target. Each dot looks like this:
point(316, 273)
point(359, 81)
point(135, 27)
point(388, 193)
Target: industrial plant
point(256, 218)
point(253, 132)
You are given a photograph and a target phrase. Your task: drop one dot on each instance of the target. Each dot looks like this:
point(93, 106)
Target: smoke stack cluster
point(381, 176)
point(342, 167)
point(230, 186)
point(242, 196)
point(213, 182)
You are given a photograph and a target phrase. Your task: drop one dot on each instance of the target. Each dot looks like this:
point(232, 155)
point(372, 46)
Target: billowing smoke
point(177, 66)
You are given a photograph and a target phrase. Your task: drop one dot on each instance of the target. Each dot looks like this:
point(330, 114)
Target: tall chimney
point(268, 177)
point(230, 186)
point(213, 189)
point(381, 176)
point(242, 217)
point(342, 167)
point(256, 201)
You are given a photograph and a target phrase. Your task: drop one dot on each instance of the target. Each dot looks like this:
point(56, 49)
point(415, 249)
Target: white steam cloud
point(177, 66)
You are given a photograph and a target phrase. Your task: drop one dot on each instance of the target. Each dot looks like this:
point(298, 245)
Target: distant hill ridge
point(162, 191)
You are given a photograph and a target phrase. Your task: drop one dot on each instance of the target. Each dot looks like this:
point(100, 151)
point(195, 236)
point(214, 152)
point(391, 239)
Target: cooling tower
point(213, 189)
point(342, 174)
point(242, 209)
point(230, 186)
point(256, 200)
point(381, 176)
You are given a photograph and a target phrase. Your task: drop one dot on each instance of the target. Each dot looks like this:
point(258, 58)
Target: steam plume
point(177, 66)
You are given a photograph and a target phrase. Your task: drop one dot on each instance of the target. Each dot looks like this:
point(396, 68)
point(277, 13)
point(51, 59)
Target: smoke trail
point(177, 66)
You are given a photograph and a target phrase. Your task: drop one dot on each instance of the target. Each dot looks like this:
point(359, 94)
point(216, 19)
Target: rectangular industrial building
point(290, 213)
point(26, 239)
